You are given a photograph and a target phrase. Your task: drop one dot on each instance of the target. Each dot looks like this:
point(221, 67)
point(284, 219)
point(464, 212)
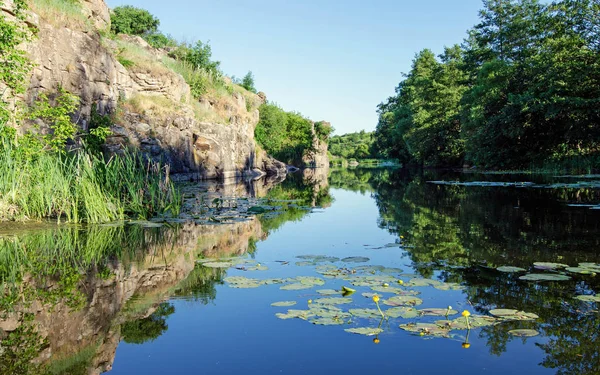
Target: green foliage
point(522, 91)
point(323, 130)
point(287, 136)
point(248, 82)
point(358, 145)
point(199, 57)
point(99, 130)
point(58, 117)
point(160, 40)
point(147, 329)
point(14, 64)
point(130, 20)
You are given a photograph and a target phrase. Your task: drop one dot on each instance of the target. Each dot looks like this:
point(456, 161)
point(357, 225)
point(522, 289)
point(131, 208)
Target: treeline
point(359, 145)
point(287, 136)
point(523, 90)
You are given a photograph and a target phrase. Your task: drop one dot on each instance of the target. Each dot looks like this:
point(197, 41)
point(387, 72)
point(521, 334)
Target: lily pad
point(310, 280)
point(327, 321)
point(328, 292)
point(355, 260)
point(423, 282)
point(296, 286)
point(524, 332)
point(549, 265)
point(449, 286)
point(284, 303)
point(588, 298)
point(241, 282)
point(437, 312)
point(333, 301)
point(217, 264)
point(401, 312)
point(365, 313)
point(544, 277)
point(429, 329)
point(367, 331)
point(292, 314)
point(511, 314)
point(475, 321)
point(581, 270)
point(403, 301)
point(510, 269)
point(258, 267)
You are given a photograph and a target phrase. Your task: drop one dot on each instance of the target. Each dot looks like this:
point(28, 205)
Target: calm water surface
point(132, 300)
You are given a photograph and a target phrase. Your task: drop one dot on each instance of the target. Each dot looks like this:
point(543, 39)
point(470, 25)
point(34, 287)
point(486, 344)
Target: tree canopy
point(523, 89)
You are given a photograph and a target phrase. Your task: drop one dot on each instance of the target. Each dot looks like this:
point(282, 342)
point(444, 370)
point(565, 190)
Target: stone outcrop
point(152, 106)
point(317, 157)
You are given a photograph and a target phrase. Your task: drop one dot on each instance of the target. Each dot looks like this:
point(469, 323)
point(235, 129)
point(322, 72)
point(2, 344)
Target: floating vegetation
point(524, 332)
point(511, 314)
point(510, 269)
point(578, 185)
point(589, 298)
point(296, 286)
point(355, 260)
point(403, 301)
point(333, 301)
point(284, 303)
point(544, 277)
point(367, 331)
point(438, 312)
point(549, 265)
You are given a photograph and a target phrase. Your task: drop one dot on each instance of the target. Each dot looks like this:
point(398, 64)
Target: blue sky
point(331, 60)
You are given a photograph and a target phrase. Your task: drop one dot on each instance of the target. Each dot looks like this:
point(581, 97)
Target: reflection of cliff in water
point(72, 294)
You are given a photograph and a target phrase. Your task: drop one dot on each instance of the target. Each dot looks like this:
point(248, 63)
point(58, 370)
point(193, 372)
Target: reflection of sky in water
point(239, 333)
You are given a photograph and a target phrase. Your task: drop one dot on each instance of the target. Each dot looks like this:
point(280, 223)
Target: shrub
point(248, 82)
point(160, 40)
point(133, 21)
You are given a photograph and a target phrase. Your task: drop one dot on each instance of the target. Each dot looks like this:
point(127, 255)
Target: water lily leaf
point(327, 321)
point(318, 258)
point(328, 292)
point(217, 264)
point(371, 280)
point(292, 314)
point(449, 286)
point(511, 314)
point(391, 270)
point(423, 282)
point(365, 313)
point(581, 270)
point(367, 331)
point(333, 300)
point(544, 277)
point(403, 301)
point(475, 321)
point(387, 289)
point(524, 332)
point(438, 312)
point(510, 269)
point(305, 264)
point(284, 303)
point(258, 267)
point(257, 210)
point(588, 298)
point(241, 282)
point(355, 260)
point(310, 280)
point(296, 286)
point(590, 266)
point(145, 224)
point(402, 312)
point(549, 265)
point(428, 329)
point(273, 281)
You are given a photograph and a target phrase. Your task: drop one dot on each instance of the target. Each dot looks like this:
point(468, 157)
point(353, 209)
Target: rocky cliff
point(151, 105)
point(317, 157)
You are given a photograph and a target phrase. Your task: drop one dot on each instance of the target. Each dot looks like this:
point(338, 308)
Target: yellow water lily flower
point(400, 282)
point(376, 298)
point(466, 314)
point(309, 301)
point(466, 345)
point(376, 340)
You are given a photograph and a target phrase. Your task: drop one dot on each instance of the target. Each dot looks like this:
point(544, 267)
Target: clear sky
point(331, 60)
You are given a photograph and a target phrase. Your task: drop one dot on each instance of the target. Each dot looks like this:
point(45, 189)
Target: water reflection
point(462, 234)
point(70, 294)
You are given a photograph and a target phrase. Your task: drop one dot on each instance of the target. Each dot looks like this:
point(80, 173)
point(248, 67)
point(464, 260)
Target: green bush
point(160, 40)
point(130, 20)
point(248, 82)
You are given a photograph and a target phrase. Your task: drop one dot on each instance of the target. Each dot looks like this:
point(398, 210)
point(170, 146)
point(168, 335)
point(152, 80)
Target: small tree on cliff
point(133, 21)
point(248, 82)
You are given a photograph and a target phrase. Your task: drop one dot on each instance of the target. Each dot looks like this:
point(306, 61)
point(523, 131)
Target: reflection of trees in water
point(147, 329)
point(464, 233)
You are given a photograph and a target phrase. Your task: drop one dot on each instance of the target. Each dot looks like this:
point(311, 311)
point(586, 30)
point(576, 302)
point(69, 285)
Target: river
point(370, 270)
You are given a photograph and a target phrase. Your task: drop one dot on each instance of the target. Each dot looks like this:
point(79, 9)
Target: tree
point(199, 56)
point(130, 20)
point(248, 82)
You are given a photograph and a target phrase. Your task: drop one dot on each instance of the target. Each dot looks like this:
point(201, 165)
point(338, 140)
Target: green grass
point(62, 13)
point(201, 82)
point(81, 187)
